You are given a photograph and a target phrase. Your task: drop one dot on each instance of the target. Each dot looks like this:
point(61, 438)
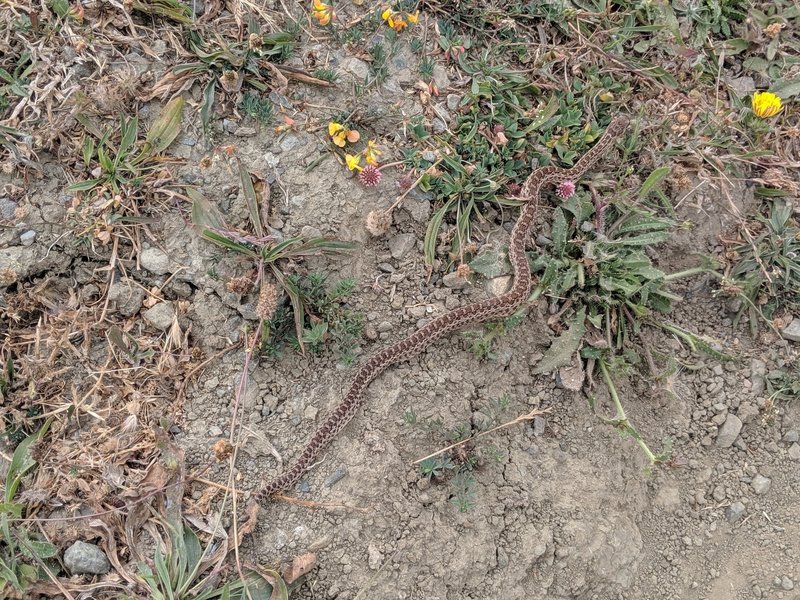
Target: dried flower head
point(378, 222)
point(239, 285)
point(773, 29)
point(267, 301)
point(463, 270)
point(565, 189)
point(222, 449)
point(255, 41)
point(7, 277)
point(370, 176)
point(766, 104)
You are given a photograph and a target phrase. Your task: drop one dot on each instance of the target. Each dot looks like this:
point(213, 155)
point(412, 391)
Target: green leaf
point(432, 233)
point(559, 232)
point(204, 213)
point(491, 263)
point(42, 550)
point(655, 178)
point(756, 63)
point(22, 462)
point(251, 199)
point(565, 346)
point(83, 186)
point(296, 298)
point(786, 89)
point(165, 128)
point(646, 239)
point(208, 103)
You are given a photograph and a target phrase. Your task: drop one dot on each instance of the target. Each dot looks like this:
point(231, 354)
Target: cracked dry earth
point(568, 510)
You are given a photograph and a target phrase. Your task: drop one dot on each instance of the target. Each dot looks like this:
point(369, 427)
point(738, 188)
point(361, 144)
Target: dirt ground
point(566, 509)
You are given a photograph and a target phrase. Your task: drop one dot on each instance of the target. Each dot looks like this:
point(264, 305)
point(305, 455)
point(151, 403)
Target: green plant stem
point(686, 273)
point(621, 420)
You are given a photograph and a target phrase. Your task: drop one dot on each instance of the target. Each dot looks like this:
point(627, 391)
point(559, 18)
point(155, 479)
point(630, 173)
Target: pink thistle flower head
point(565, 189)
point(369, 176)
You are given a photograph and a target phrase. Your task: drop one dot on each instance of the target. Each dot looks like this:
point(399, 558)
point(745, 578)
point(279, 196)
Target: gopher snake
point(476, 312)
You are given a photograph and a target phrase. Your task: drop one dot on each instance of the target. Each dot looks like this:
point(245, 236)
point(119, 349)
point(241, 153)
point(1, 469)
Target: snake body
point(442, 326)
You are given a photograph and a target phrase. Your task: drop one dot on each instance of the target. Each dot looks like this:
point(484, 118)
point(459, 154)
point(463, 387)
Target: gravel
point(735, 512)
point(401, 244)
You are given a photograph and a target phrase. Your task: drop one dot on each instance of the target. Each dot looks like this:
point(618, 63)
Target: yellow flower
point(338, 133)
point(766, 104)
point(413, 17)
point(352, 161)
point(372, 152)
point(322, 12)
point(386, 14)
point(341, 134)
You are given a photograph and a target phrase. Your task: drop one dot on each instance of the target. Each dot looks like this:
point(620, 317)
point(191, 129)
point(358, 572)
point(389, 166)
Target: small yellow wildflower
point(322, 12)
point(352, 161)
point(397, 21)
point(372, 152)
point(341, 134)
point(766, 104)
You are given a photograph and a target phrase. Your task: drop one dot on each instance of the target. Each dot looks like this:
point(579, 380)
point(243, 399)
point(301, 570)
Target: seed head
point(369, 176)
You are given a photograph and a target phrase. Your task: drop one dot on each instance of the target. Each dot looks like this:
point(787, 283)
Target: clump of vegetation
point(257, 107)
point(765, 266)
point(327, 320)
point(270, 253)
point(457, 463)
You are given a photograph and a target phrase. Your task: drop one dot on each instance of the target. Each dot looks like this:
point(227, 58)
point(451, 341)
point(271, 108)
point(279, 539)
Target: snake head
point(618, 125)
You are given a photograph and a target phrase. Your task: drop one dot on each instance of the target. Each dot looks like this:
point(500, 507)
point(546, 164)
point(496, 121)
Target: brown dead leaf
point(299, 566)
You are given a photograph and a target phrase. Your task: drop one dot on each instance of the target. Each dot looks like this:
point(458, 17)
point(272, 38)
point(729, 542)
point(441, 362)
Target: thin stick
point(402, 196)
point(527, 417)
point(310, 504)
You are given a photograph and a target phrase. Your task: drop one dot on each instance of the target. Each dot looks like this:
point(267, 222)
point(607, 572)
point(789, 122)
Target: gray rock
point(155, 260)
point(747, 412)
point(729, 431)
point(453, 281)
point(402, 244)
point(336, 476)
point(758, 369)
point(791, 436)
point(27, 238)
point(499, 285)
point(374, 557)
point(127, 297)
point(760, 484)
point(735, 512)
point(309, 231)
point(792, 331)
point(245, 132)
point(742, 85)
point(440, 78)
point(794, 451)
point(539, 425)
point(81, 557)
point(358, 68)
point(786, 583)
point(8, 209)
point(384, 326)
point(453, 101)
point(160, 316)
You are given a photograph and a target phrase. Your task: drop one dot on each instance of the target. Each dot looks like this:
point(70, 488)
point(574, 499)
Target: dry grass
point(111, 390)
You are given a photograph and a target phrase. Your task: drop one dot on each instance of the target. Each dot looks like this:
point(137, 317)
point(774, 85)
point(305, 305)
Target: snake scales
point(442, 326)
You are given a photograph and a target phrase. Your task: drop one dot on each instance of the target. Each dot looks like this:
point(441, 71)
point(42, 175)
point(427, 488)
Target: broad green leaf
point(83, 186)
point(166, 127)
point(252, 200)
point(655, 178)
point(204, 213)
point(564, 346)
point(208, 103)
point(432, 232)
point(491, 263)
point(786, 89)
point(559, 232)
